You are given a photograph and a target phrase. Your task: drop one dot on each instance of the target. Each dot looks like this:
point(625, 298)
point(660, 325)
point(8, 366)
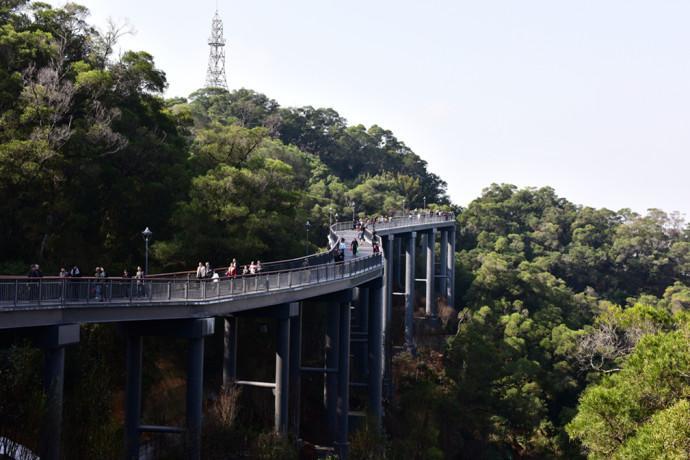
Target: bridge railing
point(40, 292)
point(396, 222)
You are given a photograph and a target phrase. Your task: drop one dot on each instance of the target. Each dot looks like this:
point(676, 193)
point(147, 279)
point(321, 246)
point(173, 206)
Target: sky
point(589, 97)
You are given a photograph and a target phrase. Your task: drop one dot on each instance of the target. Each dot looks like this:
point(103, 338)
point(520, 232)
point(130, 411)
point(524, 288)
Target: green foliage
point(418, 417)
point(368, 442)
point(623, 414)
point(666, 435)
point(538, 278)
point(272, 446)
point(22, 402)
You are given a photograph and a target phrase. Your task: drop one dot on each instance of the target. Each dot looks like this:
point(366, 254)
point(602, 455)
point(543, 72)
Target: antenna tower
point(215, 74)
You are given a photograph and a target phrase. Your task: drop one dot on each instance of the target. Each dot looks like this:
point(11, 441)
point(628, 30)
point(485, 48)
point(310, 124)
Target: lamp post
point(330, 216)
point(404, 201)
point(424, 202)
point(306, 244)
point(353, 211)
point(146, 234)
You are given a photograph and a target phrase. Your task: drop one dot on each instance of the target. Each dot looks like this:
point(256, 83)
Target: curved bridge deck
point(28, 302)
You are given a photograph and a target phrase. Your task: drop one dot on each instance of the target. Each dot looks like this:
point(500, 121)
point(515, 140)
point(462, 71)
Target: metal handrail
point(43, 292)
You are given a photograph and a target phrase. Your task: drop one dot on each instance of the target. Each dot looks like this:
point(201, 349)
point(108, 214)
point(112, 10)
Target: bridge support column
point(359, 348)
point(195, 330)
point(443, 264)
point(331, 378)
point(387, 309)
point(409, 291)
point(342, 445)
point(195, 386)
point(376, 350)
point(133, 394)
point(230, 351)
point(53, 340)
point(398, 263)
point(282, 388)
point(295, 376)
point(450, 261)
point(431, 310)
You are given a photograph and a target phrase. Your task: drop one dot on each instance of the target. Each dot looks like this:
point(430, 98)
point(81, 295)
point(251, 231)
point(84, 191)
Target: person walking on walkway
point(139, 276)
point(354, 246)
point(200, 271)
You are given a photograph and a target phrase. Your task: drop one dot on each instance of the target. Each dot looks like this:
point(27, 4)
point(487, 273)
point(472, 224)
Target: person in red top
point(232, 269)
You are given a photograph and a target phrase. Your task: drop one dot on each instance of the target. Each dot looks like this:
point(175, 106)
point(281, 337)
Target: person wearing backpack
point(354, 246)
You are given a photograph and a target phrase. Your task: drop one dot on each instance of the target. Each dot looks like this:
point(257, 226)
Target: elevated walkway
point(30, 302)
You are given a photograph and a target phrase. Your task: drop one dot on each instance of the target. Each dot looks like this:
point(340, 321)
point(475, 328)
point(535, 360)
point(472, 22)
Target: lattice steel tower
point(215, 74)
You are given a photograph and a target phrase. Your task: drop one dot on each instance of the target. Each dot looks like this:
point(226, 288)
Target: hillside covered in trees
point(570, 336)
point(90, 154)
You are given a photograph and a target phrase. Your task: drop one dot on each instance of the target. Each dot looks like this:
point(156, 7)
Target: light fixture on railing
point(306, 244)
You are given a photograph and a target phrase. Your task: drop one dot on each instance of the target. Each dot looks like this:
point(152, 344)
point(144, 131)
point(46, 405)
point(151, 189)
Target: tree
point(616, 415)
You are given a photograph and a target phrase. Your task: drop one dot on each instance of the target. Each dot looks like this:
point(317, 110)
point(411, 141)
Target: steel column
point(360, 353)
point(282, 388)
point(295, 377)
point(443, 263)
point(195, 385)
point(450, 260)
point(398, 260)
point(53, 385)
point(342, 446)
point(430, 297)
point(230, 351)
point(331, 379)
point(387, 308)
point(409, 291)
point(133, 395)
point(376, 350)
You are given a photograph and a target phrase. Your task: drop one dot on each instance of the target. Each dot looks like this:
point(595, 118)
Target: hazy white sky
point(591, 97)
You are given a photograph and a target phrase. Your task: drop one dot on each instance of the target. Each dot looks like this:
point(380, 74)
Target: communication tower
point(215, 74)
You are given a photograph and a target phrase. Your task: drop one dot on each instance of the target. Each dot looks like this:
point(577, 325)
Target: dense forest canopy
point(570, 332)
point(91, 153)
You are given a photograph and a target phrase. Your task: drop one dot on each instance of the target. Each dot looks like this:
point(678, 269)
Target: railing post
point(40, 288)
point(16, 291)
point(186, 289)
point(62, 292)
point(88, 289)
point(131, 290)
point(169, 291)
point(218, 288)
point(290, 279)
point(203, 290)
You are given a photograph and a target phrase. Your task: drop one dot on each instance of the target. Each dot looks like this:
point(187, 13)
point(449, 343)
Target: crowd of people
point(205, 271)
